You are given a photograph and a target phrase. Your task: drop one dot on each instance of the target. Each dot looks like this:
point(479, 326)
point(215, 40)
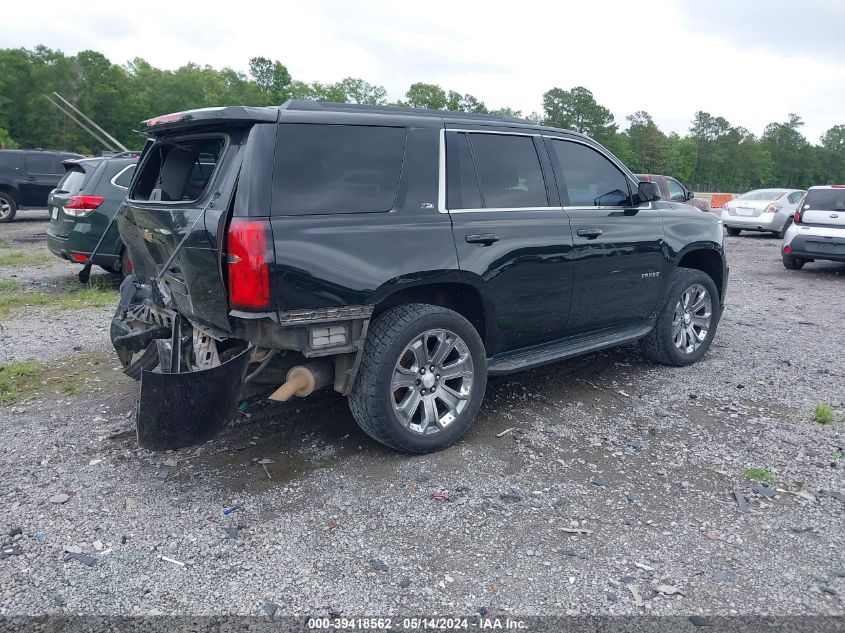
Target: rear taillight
point(787, 249)
point(80, 206)
point(773, 208)
point(797, 217)
point(248, 264)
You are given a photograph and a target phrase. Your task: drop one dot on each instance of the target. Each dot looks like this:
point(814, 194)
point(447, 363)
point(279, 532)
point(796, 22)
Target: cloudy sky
point(751, 61)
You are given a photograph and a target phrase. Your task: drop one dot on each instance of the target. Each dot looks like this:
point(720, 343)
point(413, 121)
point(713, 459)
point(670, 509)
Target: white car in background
point(767, 210)
point(818, 231)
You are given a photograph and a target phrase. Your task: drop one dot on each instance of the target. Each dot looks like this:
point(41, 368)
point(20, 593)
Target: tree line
point(714, 155)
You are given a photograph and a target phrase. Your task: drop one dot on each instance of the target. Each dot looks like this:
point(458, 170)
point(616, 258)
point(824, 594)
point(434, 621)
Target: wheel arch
point(460, 297)
point(708, 259)
point(12, 191)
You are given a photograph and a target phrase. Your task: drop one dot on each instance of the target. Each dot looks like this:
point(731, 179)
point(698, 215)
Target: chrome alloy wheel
point(691, 319)
point(432, 381)
point(5, 208)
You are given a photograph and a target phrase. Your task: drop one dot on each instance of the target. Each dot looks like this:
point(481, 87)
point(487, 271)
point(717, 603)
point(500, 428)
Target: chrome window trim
point(441, 181)
point(120, 173)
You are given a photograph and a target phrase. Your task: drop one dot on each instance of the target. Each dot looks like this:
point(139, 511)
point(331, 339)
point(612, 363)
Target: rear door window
point(43, 164)
point(462, 190)
point(178, 169)
point(509, 172)
point(589, 179)
point(324, 169)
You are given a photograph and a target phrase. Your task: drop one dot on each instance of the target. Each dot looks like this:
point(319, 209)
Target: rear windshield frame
point(825, 194)
point(166, 139)
point(88, 171)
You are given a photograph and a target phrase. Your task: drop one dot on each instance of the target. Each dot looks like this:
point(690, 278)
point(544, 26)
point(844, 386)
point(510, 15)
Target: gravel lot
point(619, 487)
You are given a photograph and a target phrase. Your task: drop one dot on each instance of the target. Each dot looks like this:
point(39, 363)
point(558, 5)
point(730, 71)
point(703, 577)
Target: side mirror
point(647, 192)
point(690, 195)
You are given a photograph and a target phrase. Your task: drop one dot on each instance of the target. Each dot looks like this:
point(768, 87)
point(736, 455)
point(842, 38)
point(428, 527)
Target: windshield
point(762, 194)
point(825, 199)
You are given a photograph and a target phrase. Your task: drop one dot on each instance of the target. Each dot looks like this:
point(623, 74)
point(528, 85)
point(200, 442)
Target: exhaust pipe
point(303, 380)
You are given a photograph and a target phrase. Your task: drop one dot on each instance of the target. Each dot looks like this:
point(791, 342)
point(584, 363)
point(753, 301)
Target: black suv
point(398, 256)
point(27, 177)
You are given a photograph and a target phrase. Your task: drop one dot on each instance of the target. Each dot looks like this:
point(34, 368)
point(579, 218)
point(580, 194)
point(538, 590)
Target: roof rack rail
point(127, 154)
point(307, 104)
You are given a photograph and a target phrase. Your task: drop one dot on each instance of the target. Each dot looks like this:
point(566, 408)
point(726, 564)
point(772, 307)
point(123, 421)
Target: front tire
point(8, 207)
point(687, 322)
point(398, 399)
point(732, 231)
point(793, 263)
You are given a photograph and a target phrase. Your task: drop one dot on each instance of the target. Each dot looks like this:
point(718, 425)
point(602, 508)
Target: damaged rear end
point(199, 274)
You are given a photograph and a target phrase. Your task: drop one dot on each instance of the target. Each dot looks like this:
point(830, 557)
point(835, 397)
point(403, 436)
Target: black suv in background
point(397, 256)
point(27, 177)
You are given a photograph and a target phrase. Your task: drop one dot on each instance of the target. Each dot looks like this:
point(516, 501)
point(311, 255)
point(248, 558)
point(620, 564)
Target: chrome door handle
point(590, 234)
point(485, 239)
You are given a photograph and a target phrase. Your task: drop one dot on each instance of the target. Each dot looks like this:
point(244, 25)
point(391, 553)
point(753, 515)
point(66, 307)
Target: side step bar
point(565, 348)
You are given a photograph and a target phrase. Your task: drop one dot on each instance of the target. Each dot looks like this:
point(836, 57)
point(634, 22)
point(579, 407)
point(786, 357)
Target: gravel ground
point(618, 486)
point(44, 333)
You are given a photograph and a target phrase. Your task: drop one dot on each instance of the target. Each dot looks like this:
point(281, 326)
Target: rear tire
point(675, 340)
point(8, 207)
point(732, 231)
point(793, 263)
point(392, 400)
point(782, 233)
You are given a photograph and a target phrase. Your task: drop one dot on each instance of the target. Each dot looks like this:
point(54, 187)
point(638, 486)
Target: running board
point(565, 348)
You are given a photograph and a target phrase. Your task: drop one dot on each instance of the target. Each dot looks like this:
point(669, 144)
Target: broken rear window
point(178, 170)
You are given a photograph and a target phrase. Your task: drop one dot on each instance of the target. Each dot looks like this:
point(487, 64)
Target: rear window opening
point(178, 170)
point(76, 177)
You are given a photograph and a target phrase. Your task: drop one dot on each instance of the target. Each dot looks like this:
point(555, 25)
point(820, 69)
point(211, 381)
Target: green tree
point(648, 144)
point(422, 95)
point(578, 110)
point(788, 148)
point(359, 91)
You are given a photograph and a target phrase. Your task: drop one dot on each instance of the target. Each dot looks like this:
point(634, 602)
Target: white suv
point(818, 230)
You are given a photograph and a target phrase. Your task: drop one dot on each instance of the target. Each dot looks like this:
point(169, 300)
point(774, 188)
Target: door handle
point(590, 234)
point(485, 239)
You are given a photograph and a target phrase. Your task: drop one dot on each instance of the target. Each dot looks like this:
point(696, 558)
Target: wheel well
point(707, 261)
point(10, 190)
point(461, 298)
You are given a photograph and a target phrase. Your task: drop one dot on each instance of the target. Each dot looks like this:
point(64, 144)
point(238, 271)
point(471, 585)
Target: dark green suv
point(82, 205)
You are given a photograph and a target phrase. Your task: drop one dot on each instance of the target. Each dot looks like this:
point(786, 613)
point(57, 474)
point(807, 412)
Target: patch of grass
point(16, 379)
point(73, 296)
point(20, 380)
point(757, 474)
point(23, 258)
point(8, 284)
point(4, 243)
point(823, 414)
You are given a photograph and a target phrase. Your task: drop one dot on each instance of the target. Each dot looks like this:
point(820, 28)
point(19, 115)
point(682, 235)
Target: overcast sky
point(751, 61)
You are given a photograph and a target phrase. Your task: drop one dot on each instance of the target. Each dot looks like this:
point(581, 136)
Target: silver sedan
point(767, 210)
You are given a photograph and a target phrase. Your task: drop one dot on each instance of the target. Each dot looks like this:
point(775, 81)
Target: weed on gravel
point(15, 378)
point(22, 258)
point(757, 474)
point(823, 414)
point(71, 296)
